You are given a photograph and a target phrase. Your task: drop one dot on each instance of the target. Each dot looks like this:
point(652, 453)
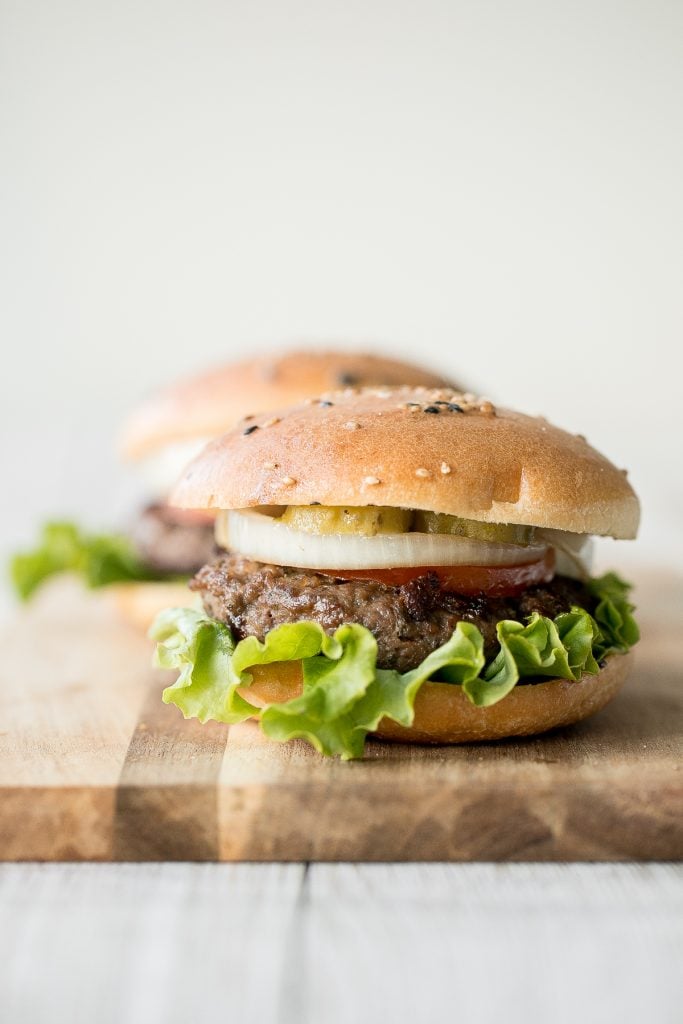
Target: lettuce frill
point(98, 559)
point(345, 694)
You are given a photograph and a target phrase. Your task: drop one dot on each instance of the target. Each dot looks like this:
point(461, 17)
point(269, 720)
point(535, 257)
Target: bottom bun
point(140, 603)
point(443, 714)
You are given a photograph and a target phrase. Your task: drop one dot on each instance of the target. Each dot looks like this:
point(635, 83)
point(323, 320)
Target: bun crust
point(405, 447)
point(443, 714)
point(210, 404)
point(138, 604)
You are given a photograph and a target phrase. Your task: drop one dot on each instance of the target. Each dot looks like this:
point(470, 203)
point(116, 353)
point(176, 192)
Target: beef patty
point(170, 541)
point(408, 622)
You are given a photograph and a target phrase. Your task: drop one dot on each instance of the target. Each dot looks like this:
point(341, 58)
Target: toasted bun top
point(213, 402)
point(415, 448)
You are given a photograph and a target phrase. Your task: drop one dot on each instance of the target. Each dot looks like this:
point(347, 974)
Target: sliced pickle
point(502, 533)
point(366, 521)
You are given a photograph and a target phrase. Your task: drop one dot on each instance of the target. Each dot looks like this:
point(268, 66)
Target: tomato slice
point(470, 580)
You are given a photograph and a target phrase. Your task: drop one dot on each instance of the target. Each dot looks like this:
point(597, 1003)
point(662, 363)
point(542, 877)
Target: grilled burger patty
point(408, 622)
point(167, 540)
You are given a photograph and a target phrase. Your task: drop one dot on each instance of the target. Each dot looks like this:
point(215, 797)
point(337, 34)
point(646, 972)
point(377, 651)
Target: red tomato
point(490, 580)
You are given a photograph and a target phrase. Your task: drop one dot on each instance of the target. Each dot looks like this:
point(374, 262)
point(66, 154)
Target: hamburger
point(147, 569)
point(409, 562)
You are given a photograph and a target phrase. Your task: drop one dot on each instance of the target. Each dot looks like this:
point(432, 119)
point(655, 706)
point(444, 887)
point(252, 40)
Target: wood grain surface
point(94, 767)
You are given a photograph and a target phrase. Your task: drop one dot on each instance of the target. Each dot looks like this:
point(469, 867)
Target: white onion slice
point(264, 539)
point(573, 552)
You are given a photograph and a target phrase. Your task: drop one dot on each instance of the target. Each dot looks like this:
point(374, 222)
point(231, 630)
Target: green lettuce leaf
point(98, 558)
point(380, 693)
point(344, 695)
point(200, 648)
point(613, 614)
point(329, 712)
point(560, 649)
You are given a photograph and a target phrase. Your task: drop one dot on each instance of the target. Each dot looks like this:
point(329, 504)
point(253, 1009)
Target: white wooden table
point(160, 944)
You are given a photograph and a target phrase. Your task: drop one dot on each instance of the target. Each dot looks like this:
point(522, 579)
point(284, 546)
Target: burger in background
point(408, 562)
point(146, 569)
point(170, 428)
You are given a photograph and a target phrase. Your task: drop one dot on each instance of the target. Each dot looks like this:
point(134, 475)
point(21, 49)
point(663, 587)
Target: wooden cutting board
point(94, 767)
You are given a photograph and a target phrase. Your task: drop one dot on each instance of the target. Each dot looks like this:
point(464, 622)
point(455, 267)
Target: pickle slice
point(366, 521)
point(502, 533)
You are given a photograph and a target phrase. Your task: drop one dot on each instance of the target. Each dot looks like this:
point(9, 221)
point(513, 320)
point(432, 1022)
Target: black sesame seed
point(325, 404)
point(250, 430)
point(441, 402)
point(454, 407)
point(416, 404)
point(314, 503)
point(432, 409)
point(347, 380)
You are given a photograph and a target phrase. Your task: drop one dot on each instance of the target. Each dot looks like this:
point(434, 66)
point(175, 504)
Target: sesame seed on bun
point(414, 447)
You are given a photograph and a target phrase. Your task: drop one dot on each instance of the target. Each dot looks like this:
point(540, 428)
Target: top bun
point(211, 403)
point(433, 449)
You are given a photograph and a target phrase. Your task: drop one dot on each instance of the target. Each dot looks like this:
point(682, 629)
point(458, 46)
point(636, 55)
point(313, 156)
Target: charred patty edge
point(408, 621)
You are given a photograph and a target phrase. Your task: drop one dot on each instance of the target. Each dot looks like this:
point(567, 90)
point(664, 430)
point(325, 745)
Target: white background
point(494, 188)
